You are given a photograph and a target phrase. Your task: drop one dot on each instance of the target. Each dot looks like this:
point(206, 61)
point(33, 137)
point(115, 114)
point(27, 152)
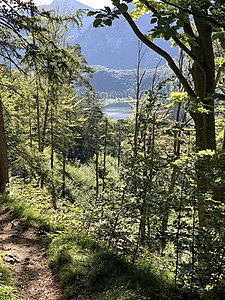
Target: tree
point(36, 43)
point(14, 18)
point(191, 25)
point(3, 153)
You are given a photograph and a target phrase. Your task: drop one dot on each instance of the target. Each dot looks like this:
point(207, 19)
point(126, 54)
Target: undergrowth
point(85, 268)
point(7, 291)
point(88, 271)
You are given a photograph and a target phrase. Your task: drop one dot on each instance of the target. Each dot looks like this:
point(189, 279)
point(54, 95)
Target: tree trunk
point(119, 147)
point(52, 140)
point(105, 153)
point(4, 176)
point(38, 122)
point(203, 74)
point(64, 173)
point(45, 125)
point(97, 173)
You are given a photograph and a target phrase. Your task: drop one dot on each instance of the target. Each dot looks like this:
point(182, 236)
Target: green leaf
point(154, 20)
point(180, 23)
point(218, 179)
point(218, 35)
point(207, 152)
point(162, 21)
point(108, 22)
point(167, 35)
point(100, 16)
point(91, 13)
point(97, 22)
point(116, 2)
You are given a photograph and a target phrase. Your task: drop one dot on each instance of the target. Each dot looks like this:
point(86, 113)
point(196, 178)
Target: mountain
point(116, 46)
point(69, 7)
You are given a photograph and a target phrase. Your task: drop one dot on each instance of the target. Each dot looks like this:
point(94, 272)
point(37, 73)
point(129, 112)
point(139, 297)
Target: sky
point(96, 3)
point(91, 3)
point(41, 2)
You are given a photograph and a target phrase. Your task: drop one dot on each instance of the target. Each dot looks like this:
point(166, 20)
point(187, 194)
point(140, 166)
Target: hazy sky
point(43, 1)
point(91, 3)
point(96, 3)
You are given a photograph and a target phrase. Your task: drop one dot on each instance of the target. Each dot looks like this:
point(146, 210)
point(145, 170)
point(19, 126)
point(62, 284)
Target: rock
point(12, 259)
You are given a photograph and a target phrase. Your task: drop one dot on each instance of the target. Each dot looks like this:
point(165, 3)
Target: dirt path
point(26, 257)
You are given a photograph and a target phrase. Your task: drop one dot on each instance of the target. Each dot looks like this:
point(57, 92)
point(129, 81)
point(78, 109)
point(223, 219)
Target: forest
point(120, 84)
point(124, 209)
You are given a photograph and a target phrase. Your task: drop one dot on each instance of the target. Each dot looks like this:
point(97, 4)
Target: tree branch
point(161, 52)
point(188, 29)
point(149, 6)
point(211, 19)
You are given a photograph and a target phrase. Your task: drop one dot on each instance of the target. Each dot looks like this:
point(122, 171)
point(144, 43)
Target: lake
point(118, 111)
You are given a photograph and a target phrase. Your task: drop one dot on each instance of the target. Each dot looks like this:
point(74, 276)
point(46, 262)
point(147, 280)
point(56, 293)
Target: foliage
point(192, 26)
point(84, 266)
point(7, 291)
point(134, 209)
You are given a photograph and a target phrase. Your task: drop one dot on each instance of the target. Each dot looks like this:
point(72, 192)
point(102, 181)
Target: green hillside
point(112, 83)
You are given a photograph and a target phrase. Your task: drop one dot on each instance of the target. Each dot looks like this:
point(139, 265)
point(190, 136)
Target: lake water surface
point(118, 111)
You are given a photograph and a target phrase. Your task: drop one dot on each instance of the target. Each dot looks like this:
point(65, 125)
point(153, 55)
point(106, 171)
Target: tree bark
point(97, 173)
point(104, 155)
point(38, 122)
point(204, 85)
point(4, 176)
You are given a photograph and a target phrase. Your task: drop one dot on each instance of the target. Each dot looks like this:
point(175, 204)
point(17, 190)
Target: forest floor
point(25, 254)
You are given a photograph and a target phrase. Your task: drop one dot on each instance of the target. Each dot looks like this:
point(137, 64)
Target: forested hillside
point(101, 209)
point(122, 83)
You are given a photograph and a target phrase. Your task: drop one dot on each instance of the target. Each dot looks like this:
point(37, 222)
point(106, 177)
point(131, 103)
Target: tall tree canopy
point(29, 42)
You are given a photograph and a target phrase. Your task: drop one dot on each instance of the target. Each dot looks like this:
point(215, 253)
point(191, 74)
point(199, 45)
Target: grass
point(86, 270)
point(28, 215)
point(7, 291)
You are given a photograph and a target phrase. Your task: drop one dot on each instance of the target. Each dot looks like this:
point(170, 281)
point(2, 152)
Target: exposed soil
point(25, 255)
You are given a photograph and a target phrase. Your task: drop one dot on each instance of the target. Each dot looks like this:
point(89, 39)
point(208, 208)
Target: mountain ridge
point(115, 46)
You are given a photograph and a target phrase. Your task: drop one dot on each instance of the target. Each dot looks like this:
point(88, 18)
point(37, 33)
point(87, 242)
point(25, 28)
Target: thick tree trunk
point(205, 139)
point(203, 74)
point(4, 177)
